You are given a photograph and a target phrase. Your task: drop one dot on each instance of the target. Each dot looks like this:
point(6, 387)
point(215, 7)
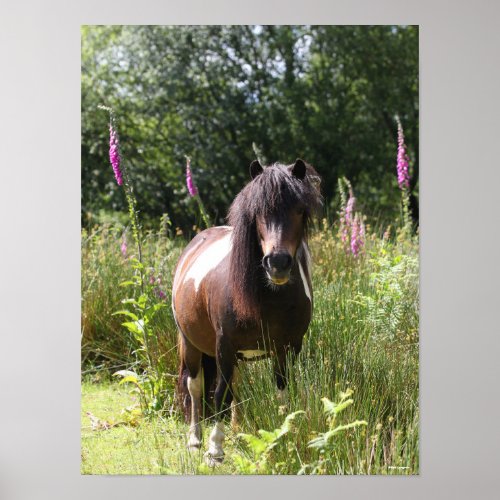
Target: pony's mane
point(275, 191)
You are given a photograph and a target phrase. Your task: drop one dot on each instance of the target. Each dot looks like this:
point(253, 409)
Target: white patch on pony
point(305, 249)
point(179, 270)
point(209, 260)
point(252, 354)
point(304, 282)
point(215, 441)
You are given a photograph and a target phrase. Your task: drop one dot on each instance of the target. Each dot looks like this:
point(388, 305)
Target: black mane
point(275, 191)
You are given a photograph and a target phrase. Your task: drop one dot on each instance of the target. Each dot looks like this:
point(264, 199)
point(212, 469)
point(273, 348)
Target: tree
point(327, 94)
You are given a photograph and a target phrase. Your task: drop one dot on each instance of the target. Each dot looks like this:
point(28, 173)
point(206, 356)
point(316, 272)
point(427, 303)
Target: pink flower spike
point(402, 163)
point(357, 236)
point(114, 155)
point(123, 248)
point(193, 191)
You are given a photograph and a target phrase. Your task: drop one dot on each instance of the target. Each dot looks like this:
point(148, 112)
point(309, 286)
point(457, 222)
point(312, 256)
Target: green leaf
point(347, 394)
point(125, 373)
point(129, 301)
point(136, 327)
point(328, 406)
point(331, 408)
point(257, 445)
point(325, 438)
point(287, 424)
point(142, 301)
point(126, 313)
point(128, 283)
point(137, 264)
point(130, 378)
point(319, 442)
point(151, 311)
point(342, 406)
point(244, 465)
point(269, 436)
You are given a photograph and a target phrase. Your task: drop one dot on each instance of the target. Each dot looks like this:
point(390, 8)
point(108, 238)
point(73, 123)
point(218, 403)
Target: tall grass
point(106, 344)
point(363, 336)
point(350, 344)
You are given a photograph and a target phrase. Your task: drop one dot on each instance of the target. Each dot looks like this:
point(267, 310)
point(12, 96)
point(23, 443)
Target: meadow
point(221, 97)
point(353, 403)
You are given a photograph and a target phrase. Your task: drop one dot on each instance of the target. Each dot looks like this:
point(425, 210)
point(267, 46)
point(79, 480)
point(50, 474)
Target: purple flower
point(402, 164)
point(193, 191)
point(114, 155)
point(357, 236)
point(160, 293)
point(123, 248)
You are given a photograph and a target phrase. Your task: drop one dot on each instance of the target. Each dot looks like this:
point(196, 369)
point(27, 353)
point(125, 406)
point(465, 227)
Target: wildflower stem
point(129, 194)
point(203, 211)
point(405, 202)
point(193, 191)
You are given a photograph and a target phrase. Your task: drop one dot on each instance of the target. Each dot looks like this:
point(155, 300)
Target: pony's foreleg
point(285, 356)
point(222, 401)
point(280, 373)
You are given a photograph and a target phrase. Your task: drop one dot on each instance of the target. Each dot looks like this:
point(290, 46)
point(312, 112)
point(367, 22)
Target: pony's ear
point(255, 169)
point(299, 169)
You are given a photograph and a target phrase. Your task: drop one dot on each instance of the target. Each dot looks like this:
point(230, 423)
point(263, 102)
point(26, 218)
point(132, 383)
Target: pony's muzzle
point(278, 266)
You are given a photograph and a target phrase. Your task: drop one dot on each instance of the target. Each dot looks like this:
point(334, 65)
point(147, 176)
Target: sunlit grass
point(363, 336)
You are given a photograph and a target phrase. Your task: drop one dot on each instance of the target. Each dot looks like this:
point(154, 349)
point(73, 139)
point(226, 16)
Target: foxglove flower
point(402, 163)
point(357, 236)
point(193, 191)
point(114, 155)
point(123, 248)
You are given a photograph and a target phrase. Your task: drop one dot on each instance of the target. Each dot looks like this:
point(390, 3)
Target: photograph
point(250, 257)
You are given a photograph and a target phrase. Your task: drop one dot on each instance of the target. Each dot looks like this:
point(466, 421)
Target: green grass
point(148, 446)
point(363, 336)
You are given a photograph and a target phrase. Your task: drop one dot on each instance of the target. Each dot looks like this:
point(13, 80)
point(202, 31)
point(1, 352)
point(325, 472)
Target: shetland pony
point(244, 292)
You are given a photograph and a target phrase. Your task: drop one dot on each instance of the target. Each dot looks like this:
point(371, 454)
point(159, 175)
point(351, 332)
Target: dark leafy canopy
point(327, 94)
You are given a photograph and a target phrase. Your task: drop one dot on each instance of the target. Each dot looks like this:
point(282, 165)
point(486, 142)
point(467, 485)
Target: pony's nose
point(278, 261)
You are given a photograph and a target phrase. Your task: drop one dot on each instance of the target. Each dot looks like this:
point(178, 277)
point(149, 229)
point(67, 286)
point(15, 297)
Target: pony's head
point(270, 218)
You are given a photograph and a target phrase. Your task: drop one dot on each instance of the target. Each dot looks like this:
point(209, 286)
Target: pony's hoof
point(213, 460)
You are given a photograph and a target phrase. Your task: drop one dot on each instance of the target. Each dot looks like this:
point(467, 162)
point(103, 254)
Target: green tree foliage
point(328, 94)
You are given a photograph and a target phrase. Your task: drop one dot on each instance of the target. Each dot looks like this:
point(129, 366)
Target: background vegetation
point(328, 94)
